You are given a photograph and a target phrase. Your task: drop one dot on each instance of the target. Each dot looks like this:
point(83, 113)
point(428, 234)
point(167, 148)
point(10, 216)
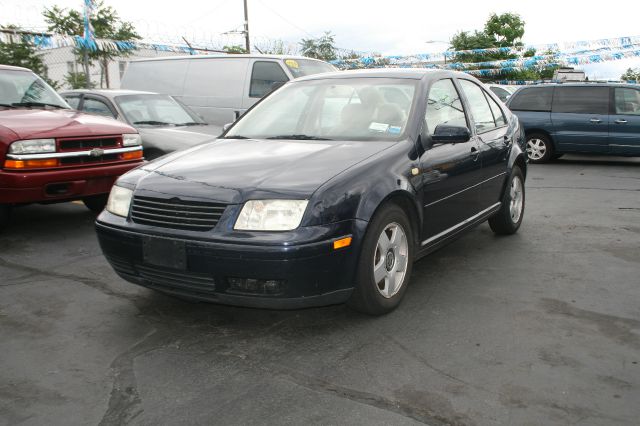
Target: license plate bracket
point(163, 252)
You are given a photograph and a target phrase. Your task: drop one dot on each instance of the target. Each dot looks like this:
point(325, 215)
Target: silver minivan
point(218, 87)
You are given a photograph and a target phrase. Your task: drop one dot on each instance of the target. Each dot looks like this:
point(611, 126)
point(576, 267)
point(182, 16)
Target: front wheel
point(96, 203)
point(539, 148)
point(385, 264)
point(509, 217)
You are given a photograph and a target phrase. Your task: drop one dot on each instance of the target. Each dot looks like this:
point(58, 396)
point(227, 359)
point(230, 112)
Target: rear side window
point(581, 100)
point(498, 115)
point(532, 99)
point(264, 75)
point(73, 101)
point(500, 93)
point(627, 101)
point(94, 106)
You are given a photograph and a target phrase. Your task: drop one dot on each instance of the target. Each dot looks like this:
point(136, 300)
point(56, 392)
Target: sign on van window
point(264, 76)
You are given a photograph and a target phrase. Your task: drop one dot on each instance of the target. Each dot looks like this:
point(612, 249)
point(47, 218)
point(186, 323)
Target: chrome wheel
point(390, 260)
point(536, 148)
point(516, 193)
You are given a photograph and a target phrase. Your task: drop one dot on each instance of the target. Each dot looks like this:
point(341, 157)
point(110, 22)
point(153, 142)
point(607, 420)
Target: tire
point(5, 215)
point(386, 251)
point(96, 203)
point(509, 218)
point(539, 148)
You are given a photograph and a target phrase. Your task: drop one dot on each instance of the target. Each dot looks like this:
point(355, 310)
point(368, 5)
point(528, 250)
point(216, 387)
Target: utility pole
point(246, 28)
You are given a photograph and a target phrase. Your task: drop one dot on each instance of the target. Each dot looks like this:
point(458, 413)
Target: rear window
point(581, 100)
point(532, 99)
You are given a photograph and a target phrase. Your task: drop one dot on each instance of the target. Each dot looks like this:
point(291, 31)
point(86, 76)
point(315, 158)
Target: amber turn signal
point(133, 155)
point(341, 243)
point(30, 164)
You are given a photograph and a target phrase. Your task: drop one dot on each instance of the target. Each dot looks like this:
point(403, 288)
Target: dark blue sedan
point(324, 192)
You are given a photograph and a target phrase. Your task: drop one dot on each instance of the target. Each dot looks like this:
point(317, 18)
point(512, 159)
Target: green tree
point(506, 29)
point(23, 54)
point(235, 48)
point(500, 31)
point(322, 47)
point(78, 80)
point(631, 74)
point(106, 24)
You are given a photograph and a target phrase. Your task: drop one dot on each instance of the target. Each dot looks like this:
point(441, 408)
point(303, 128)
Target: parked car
point(164, 124)
point(219, 88)
point(579, 117)
point(324, 192)
point(50, 153)
point(502, 91)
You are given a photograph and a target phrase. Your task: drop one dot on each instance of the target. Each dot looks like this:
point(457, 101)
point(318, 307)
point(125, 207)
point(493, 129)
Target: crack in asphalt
point(90, 282)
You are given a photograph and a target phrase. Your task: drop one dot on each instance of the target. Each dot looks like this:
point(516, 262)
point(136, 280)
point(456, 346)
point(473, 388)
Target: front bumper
point(57, 185)
point(310, 273)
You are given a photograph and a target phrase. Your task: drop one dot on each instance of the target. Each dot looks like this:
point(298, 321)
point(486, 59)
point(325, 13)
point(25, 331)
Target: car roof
point(225, 55)
point(584, 84)
point(12, 68)
point(407, 73)
point(108, 93)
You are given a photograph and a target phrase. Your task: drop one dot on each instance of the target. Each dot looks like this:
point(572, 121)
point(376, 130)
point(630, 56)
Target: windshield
point(342, 109)
point(302, 67)
point(24, 88)
point(152, 109)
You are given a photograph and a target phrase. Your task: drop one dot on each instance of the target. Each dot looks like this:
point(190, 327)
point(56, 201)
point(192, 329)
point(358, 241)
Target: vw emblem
point(96, 152)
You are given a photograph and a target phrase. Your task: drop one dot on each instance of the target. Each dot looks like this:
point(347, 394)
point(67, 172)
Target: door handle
point(475, 153)
point(621, 121)
point(595, 120)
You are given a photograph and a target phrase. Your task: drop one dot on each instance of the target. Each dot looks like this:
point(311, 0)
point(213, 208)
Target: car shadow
point(598, 160)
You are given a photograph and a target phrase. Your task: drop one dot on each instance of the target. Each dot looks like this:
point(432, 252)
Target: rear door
point(624, 121)
point(580, 117)
point(494, 142)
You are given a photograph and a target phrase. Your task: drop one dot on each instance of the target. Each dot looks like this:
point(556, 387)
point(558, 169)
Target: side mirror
point(226, 127)
point(450, 134)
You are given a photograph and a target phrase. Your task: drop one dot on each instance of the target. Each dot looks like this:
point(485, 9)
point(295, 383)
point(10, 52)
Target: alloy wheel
point(390, 260)
point(516, 203)
point(536, 149)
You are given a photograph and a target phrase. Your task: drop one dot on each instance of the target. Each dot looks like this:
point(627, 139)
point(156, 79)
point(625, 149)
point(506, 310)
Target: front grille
point(176, 213)
point(66, 161)
point(177, 280)
point(84, 144)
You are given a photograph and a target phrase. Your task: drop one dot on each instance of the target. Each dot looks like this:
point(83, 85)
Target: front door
point(624, 122)
point(580, 117)
point(450, 172)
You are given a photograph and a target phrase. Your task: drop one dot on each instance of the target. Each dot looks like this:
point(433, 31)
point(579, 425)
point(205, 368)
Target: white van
point(218, 87)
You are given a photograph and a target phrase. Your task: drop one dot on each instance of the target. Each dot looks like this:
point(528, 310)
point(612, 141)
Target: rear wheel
point(5, 214)
point(539, 148)
point(96, 203)
point(509, 217)
point(385, 264)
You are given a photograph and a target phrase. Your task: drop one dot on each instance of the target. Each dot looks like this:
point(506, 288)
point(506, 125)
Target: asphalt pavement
point(539, 328)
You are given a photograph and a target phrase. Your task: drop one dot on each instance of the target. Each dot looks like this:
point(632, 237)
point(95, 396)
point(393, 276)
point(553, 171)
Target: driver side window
point(444, 106)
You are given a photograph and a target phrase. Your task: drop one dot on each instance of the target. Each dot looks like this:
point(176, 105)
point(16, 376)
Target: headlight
point(119, 201)
point(271, 215)
point(131, 139)
point(33, 146)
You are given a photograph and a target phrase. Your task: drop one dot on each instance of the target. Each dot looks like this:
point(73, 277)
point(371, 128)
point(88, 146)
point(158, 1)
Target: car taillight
point(31, 164)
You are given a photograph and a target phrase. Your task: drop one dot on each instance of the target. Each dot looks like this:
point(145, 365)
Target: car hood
point(233, 171)
point(40, 123)
point(177, 138)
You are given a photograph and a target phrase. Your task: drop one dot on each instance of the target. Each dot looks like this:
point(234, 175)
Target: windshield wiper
point(36, 104)
point(299, 137)
point(7, 106)
point(236, 137)
point(154, 122)
point(191, 123)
